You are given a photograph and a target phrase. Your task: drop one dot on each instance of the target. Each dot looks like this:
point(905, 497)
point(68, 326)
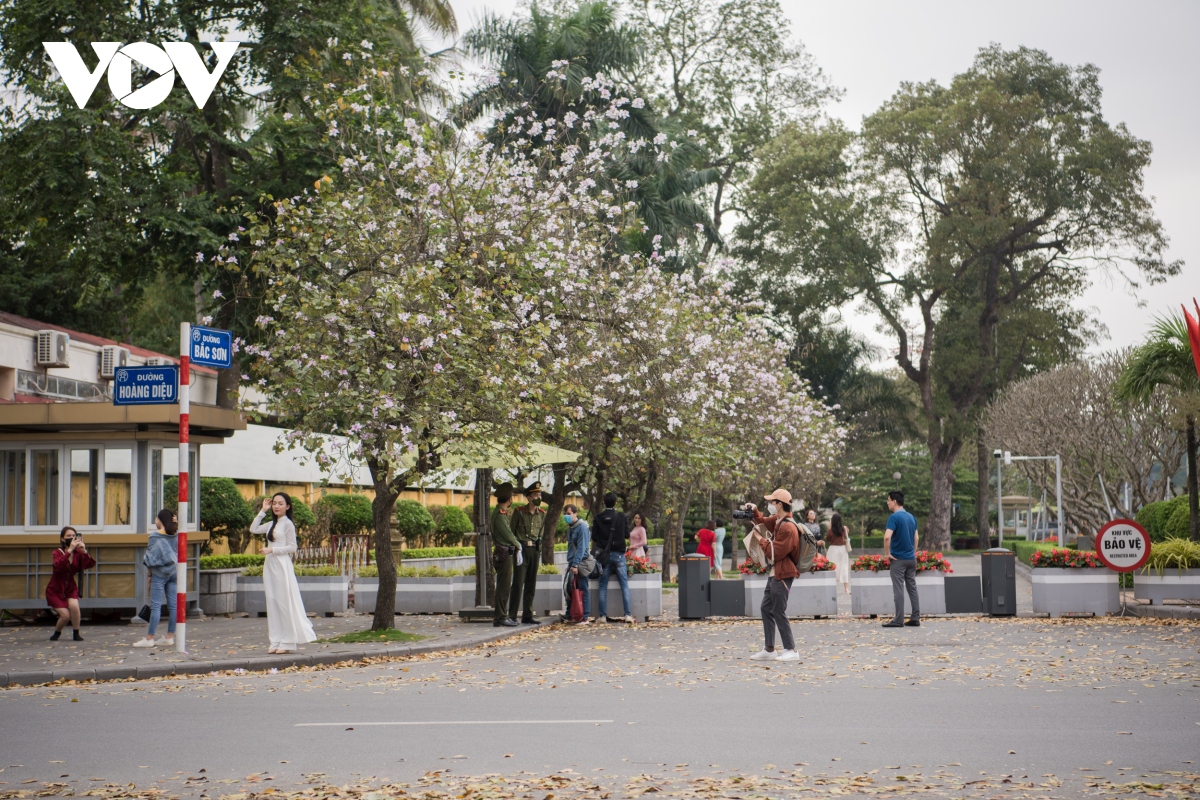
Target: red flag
point(1193, 328)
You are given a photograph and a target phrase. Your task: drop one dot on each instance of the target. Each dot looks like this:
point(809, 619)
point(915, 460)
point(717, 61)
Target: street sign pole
point(181, 574)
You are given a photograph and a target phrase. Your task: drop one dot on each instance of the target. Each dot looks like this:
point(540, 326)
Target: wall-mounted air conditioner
point(158, 361)
point(53, 349)
point(112, 358)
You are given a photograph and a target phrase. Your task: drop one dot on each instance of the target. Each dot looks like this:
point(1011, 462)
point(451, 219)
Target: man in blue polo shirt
point(900, 542)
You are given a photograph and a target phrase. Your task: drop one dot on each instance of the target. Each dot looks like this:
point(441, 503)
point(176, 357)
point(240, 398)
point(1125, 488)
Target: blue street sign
point(212, 347)
point(146, 386)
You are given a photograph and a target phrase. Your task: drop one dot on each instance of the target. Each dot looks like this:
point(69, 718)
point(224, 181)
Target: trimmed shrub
point(351, 514)
point(1157, 518)
point(232, 561)
point(434, 552)
point(1179, 524)
point(301, 572)
point(450, 525)
point(412, 520)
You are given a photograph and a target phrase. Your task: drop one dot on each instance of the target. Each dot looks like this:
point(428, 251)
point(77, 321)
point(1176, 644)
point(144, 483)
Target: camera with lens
point(743, 513)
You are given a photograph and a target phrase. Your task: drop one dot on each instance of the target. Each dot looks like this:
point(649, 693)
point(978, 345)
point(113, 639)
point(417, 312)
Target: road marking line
point(461, 722)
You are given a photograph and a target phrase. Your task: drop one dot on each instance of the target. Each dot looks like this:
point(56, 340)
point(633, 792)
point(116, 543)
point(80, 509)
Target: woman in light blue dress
point(719, 547)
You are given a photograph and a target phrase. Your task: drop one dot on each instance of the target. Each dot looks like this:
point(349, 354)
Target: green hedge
point(1025, 550)
point(1166, 519)
point(301, 572)
point(435, 552)
point(412, 572)
point(232, 561)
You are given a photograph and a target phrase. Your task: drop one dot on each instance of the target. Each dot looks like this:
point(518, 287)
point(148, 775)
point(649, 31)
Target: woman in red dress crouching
point(62, 593)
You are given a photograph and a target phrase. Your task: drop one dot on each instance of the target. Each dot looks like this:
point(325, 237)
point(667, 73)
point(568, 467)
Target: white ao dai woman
point(287, 624)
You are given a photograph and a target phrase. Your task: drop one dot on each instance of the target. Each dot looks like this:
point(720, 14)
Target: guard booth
point(105, 471)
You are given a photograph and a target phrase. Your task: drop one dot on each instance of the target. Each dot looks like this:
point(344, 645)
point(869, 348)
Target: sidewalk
point(214, 644)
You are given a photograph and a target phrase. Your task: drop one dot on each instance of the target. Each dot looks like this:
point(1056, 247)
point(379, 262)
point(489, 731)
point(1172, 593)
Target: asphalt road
point(1073, 699)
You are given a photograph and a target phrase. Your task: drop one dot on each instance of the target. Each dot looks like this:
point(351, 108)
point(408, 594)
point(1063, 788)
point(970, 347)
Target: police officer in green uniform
point(505, 547)
point(527, 526)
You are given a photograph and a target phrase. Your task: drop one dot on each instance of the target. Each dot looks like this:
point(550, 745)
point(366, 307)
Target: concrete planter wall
point(754, 585)
point(452, 562)
point(326, 595)
point(653, 552)
point(548, 596)
point(645, 596)
point(1173, 584)
point(813, 594)
point(871, 594)
point(419, 595)
point(1075, 591)
point(218, 590)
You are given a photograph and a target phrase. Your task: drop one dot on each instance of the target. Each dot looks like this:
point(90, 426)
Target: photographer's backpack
point(807, 547)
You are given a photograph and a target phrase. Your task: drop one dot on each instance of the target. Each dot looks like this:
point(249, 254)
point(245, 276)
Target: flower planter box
point(871, 594)
point(419, 595)
point(548, 596)
point(645, 595)
point(1173, 584)
point(1058, 590)
point(813, 594)
point(326, 595)
point(218, 590)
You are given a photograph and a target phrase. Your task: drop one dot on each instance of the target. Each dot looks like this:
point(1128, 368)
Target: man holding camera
point(783, 548)
point(503, 553)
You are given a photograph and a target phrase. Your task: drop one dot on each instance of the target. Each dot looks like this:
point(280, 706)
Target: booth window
point(85, 487)
point(164, 486)
point(44, 488)
point(118, 486)
point(12, 488)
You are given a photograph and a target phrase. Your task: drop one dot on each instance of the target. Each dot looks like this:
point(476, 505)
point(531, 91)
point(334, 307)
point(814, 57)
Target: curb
point(31, 678)
point(1163, 612)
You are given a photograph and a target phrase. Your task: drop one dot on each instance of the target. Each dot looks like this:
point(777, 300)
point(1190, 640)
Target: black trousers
point(524, 581)
point(774, 614)
point(504, 573)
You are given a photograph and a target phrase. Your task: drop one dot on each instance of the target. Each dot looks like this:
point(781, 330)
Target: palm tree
point(590, 40)
point(1164, 362)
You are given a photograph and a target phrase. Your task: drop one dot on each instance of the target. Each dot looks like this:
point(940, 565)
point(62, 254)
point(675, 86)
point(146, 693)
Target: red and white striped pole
point(185, 344)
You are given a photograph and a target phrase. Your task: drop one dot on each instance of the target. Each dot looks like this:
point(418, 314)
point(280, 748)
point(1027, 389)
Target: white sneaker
point(629, 619)
point(788, 655)
point(169, 642)
point(144, 642)
point(763, 655)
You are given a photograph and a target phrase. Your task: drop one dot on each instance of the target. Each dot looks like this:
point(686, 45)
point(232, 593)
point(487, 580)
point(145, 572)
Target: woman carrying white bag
point(287, 624)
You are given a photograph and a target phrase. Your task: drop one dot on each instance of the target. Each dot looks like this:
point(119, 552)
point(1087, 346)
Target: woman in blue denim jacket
point(161, 558)
point(579, 541)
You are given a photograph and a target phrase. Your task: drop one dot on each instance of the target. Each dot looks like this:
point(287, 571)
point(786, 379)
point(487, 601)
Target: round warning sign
point(1123, 545)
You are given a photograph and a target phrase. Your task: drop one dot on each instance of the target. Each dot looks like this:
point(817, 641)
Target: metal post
point(999, 503)
point(181, 573)
point(1062, 526)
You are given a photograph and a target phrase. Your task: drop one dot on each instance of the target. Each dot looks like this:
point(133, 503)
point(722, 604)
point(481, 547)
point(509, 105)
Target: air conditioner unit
point(112, 358)
point(53, 349)
point(159, 361)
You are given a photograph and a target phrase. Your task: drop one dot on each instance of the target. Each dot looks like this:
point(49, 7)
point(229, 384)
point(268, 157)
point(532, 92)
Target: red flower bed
point(926, 562)
point(1063, 558)
point(822, 564)
point(640, 566)
point(748, 567)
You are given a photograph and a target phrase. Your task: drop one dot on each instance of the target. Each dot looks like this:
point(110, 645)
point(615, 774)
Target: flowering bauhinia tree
point(426, 301)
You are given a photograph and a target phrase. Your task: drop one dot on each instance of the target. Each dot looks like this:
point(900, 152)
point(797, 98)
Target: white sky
point(1150, 69)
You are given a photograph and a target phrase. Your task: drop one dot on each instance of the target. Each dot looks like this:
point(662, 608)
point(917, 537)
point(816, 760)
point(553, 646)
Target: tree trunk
point(554, 506)
point(1193, 489)
point(381, 510)
point(668, 538)
point(937, 527)
point(982, 487)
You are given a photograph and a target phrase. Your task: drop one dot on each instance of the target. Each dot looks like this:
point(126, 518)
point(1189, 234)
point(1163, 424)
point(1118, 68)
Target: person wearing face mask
point(580, 562)
point(783, 548)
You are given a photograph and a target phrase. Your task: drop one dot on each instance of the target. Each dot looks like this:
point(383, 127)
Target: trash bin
point(999, 571)
point(693, 587)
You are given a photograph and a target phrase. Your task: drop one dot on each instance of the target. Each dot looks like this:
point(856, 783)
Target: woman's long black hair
point(167, 518)
point(275, 520)
point(835, 525)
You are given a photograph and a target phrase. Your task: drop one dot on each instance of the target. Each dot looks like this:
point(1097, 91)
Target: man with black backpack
point(783, 548)
point(609, 531)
